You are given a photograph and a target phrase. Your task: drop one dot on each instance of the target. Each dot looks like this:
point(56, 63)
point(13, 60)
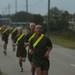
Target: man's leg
point(45, 67)
point(13, 46)
point(20, 63)
point(45, 73)
point(32, 69)
point(38, 71)
point(5, 47)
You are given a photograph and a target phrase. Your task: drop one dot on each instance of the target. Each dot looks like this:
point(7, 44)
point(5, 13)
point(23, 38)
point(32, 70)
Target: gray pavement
point(62, 61)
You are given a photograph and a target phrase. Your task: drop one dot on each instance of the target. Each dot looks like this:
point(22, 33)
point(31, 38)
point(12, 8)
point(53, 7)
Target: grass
point(63, 42)
point(0, 73)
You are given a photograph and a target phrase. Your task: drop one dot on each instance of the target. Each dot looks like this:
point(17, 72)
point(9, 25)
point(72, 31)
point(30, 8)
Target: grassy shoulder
point(0, 73)
point(63, 42)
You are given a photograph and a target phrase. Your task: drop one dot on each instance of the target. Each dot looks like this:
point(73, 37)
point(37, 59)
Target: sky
point(36, 6)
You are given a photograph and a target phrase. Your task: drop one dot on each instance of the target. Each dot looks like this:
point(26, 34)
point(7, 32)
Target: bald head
point(32, 27)
point(4, 26)
point(31, 24)
point(38, 26)
point(19, 31)
point(13, 26)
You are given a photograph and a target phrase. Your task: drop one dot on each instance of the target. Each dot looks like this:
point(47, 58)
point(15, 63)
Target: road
point(62, 61)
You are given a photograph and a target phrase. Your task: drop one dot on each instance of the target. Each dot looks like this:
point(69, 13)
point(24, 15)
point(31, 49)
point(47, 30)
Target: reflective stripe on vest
point(4, 31)
point(13, 30)
point(20, 37)
point(31, 37)
point(38, 40)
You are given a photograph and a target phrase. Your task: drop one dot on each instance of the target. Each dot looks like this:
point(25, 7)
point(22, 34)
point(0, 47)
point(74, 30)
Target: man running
point(14, 32)
point(21, 51)
point(40, 47)
point(28, 38)
point(5, 35)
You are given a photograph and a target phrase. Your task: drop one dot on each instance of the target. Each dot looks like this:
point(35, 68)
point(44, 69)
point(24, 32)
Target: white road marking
point(73, 65)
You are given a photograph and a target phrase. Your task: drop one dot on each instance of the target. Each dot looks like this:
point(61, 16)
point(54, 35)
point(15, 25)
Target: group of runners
point(39, 47)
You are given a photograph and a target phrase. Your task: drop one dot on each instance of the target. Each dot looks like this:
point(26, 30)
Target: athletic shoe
point(21, 70)
point(5, 53)
point(13, 49)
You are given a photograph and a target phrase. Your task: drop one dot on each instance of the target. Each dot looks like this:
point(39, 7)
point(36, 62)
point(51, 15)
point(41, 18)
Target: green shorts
point(42, 63)
point(21, 53)
point(30, 57)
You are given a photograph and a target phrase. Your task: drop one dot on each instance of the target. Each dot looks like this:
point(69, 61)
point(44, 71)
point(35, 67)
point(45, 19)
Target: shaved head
point(32, 27)
point(38, 26)
point(31, 24)
point(19, 31)
point(13, 26)
point(38, 29)
point(4, 26)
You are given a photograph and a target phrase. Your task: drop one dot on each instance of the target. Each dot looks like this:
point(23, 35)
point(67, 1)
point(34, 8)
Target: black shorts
point(42, 63)
point(5, 40)
point(30, 57)
point(12, 38)
point(21, 53)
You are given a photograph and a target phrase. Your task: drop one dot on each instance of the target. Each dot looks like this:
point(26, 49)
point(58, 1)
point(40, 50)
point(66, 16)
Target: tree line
point(59, 19)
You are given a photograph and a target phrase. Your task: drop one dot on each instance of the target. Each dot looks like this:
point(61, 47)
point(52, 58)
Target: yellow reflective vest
point(4, 31)
point(13, 30)
point(31, 37)
point(20, 37)
point(38, 40)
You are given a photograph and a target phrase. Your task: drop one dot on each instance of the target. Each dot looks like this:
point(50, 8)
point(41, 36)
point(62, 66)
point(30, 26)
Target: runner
point(14, 32)
point(28, 37)
point(5, 35)
point(40, 47)
point(21, 51)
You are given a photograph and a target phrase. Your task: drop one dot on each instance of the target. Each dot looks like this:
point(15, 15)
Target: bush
point(69, 35)
point(0, 73)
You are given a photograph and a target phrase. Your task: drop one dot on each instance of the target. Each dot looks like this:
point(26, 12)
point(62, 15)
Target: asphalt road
point(62, 61)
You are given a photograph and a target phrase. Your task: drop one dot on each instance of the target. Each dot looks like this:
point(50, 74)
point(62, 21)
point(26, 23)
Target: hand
point(23, 59)
point(26, 44)
point(16, 43)
point(31, 51)
point(47, 54)
point(13, 44)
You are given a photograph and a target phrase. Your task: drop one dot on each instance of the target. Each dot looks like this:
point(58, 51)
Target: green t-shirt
point(41, 47)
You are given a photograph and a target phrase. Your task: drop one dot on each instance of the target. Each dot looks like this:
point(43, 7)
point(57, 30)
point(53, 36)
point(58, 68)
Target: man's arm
point(49, 47)
point(31, 47)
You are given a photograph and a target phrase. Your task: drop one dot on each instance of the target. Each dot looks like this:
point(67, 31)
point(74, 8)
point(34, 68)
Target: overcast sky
point(37, 6)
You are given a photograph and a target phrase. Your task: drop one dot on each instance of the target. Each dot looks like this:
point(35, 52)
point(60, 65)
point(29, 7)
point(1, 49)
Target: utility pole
point(27, 13)
point(9, 13)
point(9, 9)
point(15, 6)
point(15, 10)
point(48, 18)
point(6, 13)
point(3, 13)
point(2, 17)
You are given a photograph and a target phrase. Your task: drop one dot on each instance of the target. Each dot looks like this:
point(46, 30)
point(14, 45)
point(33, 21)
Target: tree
point(62, 24)
point(0, 20)
point(19, 17)
point(38, 19)
point(59, 19)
